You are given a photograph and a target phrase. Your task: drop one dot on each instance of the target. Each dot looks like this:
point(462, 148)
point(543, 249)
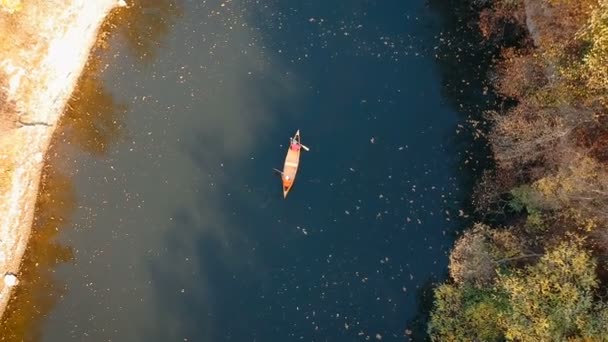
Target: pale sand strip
point(72, 32)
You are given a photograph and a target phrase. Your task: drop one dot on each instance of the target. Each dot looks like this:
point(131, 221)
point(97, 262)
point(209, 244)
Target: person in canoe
point(295, 145)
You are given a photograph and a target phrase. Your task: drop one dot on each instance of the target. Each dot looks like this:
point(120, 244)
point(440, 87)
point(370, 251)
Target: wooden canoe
point(292, 161)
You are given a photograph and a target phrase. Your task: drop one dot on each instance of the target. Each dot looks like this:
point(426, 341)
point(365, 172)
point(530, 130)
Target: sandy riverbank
point(45, 48)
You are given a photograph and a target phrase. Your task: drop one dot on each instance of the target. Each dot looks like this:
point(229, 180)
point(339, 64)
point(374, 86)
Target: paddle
point(279, 171)
point(304, 147)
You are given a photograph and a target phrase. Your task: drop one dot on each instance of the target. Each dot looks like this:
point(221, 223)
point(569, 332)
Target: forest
point(533, 267)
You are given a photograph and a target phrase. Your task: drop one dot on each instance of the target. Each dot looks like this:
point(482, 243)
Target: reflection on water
point(92, 119)
point(91, 122)
point(143, 24)
point(39, 290)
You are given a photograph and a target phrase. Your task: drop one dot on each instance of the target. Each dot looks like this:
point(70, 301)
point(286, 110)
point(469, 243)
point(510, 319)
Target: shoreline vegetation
point(45, 47)
point(533, 267)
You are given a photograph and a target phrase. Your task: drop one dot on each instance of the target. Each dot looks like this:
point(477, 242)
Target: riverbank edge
point(69, 46)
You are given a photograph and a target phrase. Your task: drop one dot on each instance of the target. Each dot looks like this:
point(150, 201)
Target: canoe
point(292, 161)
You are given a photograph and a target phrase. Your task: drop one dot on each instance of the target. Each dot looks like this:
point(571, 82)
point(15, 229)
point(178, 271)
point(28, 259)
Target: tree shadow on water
point(463, 61)
point(416, 328)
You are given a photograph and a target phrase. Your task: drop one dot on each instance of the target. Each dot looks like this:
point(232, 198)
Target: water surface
point(179, 231)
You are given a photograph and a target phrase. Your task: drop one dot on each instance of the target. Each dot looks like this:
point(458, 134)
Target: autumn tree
point(549, 147)
point(524, 135)
point(519, 73)
point(531, 133)
point(467, 314)
point(580, 184)
point(502, 19)
point(481, 251)
point(554, 299)
point(554, 23)
point(471, 261)
point(595, 33)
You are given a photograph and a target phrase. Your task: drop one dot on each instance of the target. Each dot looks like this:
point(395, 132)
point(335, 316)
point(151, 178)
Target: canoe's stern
point(287, 184)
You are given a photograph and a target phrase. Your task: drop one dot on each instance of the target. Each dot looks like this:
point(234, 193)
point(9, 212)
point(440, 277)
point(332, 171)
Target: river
point(163, 219)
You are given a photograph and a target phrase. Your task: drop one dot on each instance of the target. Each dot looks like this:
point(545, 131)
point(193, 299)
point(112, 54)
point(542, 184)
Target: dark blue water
point(180, 231)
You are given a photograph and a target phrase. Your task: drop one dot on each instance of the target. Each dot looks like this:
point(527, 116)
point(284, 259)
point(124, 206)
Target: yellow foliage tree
point(465, 313)
point(580, 186)
point(554, 299)
point(596, 59)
